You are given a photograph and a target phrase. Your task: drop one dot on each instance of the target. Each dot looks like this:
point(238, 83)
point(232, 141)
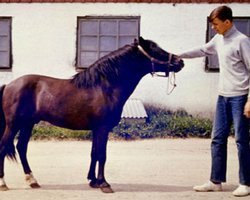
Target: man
point(233, 104)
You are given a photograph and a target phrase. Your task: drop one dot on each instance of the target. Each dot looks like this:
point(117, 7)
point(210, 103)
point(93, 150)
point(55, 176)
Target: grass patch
point(163, 123)
point(46, 131)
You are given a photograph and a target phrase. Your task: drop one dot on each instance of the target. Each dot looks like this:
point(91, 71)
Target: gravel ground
point(137, 170)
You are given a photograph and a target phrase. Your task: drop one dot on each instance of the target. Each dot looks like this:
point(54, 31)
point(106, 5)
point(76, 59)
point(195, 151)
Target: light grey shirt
point(233, 49)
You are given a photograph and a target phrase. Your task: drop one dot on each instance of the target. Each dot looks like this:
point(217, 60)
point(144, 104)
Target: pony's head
point(161, 60)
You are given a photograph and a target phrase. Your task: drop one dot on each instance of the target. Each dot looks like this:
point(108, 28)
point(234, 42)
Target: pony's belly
point(76, 124)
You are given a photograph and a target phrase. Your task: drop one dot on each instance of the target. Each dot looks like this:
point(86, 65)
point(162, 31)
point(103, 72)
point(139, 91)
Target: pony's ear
point(136, 42)
point(141, 40)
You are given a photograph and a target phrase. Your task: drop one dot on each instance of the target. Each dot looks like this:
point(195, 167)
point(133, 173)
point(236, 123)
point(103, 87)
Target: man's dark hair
point(223, 13)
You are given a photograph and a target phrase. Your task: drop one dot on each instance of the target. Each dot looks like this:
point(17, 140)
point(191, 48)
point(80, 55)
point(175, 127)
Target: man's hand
point(247, 109)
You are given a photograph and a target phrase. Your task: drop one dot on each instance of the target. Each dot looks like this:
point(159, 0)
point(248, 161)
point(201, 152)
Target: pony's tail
point(6, 145)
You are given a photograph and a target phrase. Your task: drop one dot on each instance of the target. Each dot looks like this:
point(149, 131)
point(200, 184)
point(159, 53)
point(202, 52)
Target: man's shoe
point(208, 187)
point(241, 191)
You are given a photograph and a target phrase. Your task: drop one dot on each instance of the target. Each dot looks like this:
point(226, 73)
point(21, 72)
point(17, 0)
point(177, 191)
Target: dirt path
point(138, 170)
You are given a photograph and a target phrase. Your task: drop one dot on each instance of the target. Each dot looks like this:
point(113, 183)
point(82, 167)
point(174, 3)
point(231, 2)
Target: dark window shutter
point(5, 42)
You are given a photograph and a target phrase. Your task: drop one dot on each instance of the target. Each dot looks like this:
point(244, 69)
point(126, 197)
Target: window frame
point(209, 35)
point(9, 67)
point(99, 35)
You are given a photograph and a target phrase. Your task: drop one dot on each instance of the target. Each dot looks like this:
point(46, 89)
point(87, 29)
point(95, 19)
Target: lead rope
point(172, 82)
point(171, 77)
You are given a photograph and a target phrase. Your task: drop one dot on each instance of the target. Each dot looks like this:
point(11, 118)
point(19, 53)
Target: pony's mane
point(105, 70)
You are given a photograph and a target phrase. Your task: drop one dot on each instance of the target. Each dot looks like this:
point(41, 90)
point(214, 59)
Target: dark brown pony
point(92, 100)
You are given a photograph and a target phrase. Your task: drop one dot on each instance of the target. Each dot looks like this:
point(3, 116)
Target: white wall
point(44, 42)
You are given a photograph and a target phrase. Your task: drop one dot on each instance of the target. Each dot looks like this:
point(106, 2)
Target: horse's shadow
point(123, 187)
point(117, 187)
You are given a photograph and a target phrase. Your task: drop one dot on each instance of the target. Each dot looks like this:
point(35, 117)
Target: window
point(98, 36)
point(241, 23)
point(5, 42)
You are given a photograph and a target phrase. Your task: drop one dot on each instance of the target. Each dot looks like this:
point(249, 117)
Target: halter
point(171, 79)
point(154, 60)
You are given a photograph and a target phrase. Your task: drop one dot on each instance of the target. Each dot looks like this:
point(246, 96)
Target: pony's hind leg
point(6, 149)
point(3, 186)
point(22, 146)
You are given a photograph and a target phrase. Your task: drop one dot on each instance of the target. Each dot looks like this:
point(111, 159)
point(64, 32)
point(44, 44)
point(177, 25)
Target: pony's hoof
point(106, 189)
point(3, 188)
point(34, 185)
point(31, 181)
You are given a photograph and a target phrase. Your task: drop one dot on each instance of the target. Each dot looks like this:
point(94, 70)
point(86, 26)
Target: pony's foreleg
point(22, 146)
point(98, 153)
point(102, 149)
point(91, 174)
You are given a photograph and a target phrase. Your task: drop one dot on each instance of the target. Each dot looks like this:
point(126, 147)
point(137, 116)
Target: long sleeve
point(245, 55)
point(205, 50)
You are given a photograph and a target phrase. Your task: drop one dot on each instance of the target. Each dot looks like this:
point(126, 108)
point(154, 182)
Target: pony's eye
point(154, 46)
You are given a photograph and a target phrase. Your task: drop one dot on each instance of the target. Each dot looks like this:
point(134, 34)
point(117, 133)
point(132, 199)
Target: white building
point(43, 40)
